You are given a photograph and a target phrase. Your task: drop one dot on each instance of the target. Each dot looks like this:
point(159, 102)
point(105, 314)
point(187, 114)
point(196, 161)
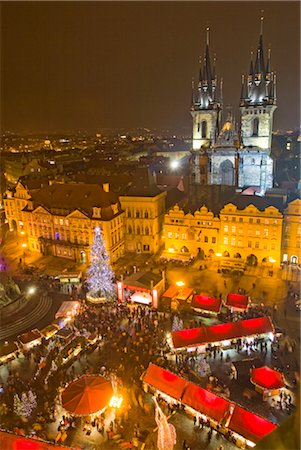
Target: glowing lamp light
point(31, 290)
point(24, 245)
point(218, 254)
point(272, 260)
point(22, 232)
point(116, 401)
point(180, 283)
point(171, 250)
point(174, 164)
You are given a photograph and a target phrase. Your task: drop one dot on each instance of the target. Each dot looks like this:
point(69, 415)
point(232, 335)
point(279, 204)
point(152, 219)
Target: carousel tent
point(165, 381)
point(267, 378)
point(87, 395)
point(206, 303)
point(205, 402)
point(223, 332)
point(9, 441)
point(237, 301)
point(249, 425)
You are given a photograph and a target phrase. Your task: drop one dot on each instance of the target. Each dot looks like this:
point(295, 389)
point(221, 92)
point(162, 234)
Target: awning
point(30, 336)
point(249, 425)
point(165, 381)
point(171, 292)
point(9, 441)
point(267, 378)
point(189, 338)
point(8, 348)
point(206, 303)
point(184, 293)
point(237, 301)
point(194, 337)
point(205, 402)
point(68, 309)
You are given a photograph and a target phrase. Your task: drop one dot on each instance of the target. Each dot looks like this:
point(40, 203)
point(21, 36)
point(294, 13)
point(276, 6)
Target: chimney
point(106, 187)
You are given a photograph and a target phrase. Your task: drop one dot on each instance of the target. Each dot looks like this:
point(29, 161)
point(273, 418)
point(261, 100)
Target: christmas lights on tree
point(100, 275)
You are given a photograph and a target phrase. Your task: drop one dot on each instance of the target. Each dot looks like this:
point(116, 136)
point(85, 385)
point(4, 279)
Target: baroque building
point(227, 154)
point(248, 229)
point(144, 207)
point(60, 219)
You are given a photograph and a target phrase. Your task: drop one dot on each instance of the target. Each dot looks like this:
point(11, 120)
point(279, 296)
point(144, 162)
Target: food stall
point(177, 295)
point(221, 335)
point(71, 350)
point(237, 302)
point(50, 331)
point(267, 381)
point(8, 351)
point(68, 310)
point(143, 288)
point(30, 339)
point(202, 303)
point(65, 333)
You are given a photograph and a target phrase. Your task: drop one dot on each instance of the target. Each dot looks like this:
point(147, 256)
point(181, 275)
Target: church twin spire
point(259, 87)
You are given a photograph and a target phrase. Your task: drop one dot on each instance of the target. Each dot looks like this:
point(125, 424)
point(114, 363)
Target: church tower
point(206, 106)
point(258, 101)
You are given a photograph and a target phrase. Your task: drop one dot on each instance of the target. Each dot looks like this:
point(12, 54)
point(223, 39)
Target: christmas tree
point(100, 275)
point(18, 409)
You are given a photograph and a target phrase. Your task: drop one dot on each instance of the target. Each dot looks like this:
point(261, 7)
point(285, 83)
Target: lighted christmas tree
point(100, 275)
point(18, 409)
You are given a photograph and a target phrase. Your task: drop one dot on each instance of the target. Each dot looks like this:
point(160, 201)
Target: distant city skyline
point(94, 65)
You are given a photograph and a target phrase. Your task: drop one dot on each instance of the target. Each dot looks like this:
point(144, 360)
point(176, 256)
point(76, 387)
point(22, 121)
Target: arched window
point(146, 230)
point(204, 129)
point(137, 214)
point(138, 230)
point(145, 214)
point(130, 229)
point(255, 126)
point(129, 213)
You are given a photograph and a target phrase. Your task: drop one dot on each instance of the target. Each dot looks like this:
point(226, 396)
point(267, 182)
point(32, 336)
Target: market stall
point(142, 288)
point(237, 302)
point(50, 331)
point(204, 304)
point(8, 351)
point(169, 385)
point(206, 403)
point(177, 295)
point(71, 350)
point(249, 426)
point(10, 441)
point(68, 309)
point(88, 395)
point(267, 381)
point(30, 339)
point(65, 333)
point(221, 334)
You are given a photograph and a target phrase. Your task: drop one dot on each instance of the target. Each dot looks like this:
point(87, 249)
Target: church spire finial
point(207, 35)
point(261, 22)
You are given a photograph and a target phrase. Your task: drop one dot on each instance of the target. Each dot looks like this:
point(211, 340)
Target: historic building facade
point(144, 209)
point(249, 233)
point(291, 247)
point(220, 154)
point(60, 219)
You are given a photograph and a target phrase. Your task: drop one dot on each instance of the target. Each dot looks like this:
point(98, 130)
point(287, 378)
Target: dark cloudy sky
point(88, 65)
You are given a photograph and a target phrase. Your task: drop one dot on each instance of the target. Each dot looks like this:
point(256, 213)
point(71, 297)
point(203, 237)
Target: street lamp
point(31, 290)
point(180, 283)
point(174, 164)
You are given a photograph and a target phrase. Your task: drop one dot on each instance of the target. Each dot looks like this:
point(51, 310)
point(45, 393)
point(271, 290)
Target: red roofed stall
point(166, 382)
point(237, 301)
point(195, 337)
point(249, 425)
point(265, 378)
point(205, 303)
point(205, 402)
point(9, 441)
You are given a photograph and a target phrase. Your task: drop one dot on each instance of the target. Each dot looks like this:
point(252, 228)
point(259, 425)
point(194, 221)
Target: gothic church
point(224, 154)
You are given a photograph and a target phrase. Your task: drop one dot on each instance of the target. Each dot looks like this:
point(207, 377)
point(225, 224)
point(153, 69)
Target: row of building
point(59, 219)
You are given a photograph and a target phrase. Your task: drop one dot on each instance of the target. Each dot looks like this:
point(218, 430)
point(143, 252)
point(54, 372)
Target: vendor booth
point(50, 331)
point(237, 302)
point(221, 334)
point(70, 281)
point(167, 383)
point(202, 303)
point(66, 334)
point(10, 441)
point(267, 381)
point(8, 351)
point(143, 288)
point(68, 309)
point(30, 339)
point(177, 295)
point(249, 426)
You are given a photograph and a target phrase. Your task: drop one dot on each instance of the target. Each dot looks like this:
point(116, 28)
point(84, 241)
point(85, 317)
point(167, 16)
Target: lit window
point(226, 240)
point(226, 228)
point(265, 232)
point(233, 229)
point(257, 232)
point(184, 236)
point(169, 234)
point(233, 241)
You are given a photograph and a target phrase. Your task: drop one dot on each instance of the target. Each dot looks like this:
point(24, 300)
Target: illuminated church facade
point(226, 154)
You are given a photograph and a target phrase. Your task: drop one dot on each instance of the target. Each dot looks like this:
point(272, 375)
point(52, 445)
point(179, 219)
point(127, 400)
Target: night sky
point(79, 65)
